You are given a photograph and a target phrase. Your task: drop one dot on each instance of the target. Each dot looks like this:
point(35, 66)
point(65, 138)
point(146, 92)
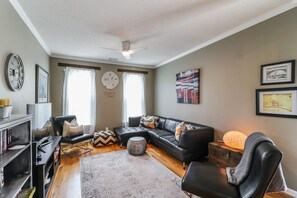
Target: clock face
point(14, 72)
point(110, 80)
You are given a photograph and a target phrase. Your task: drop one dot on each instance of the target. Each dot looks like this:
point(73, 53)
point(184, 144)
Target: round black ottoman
point(136, 145)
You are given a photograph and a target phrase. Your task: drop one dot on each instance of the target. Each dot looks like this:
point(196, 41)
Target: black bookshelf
point(44, 170)
point(16, 164)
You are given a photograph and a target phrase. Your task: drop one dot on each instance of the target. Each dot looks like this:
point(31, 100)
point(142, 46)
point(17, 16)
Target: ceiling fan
point(126, 50)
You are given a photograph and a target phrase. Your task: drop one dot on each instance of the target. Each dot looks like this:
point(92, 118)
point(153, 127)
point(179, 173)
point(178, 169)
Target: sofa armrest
point(197, 139)
point(134, 121)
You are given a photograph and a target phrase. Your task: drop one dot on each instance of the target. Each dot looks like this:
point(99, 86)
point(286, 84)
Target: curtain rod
point(78, 66)
point(132, 71)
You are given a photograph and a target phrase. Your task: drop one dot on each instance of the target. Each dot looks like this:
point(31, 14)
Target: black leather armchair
point(205, 180)
point(58, 123)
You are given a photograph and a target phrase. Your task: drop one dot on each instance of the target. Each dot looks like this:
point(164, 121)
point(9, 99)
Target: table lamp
point(235, 139)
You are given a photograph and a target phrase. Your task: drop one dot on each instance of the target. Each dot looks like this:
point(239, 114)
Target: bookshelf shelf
point(13, 187)
point(8, 156)
point(15, 165)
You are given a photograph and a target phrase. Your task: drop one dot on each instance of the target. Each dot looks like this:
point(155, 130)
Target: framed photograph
point(187, 86)
point(279, 102)
point(41, 85)
point(278, 73)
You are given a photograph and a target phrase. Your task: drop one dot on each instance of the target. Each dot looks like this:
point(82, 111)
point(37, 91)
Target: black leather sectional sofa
point(192, 146)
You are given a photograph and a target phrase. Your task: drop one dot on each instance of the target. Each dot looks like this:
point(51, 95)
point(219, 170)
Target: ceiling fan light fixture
point(127, 54)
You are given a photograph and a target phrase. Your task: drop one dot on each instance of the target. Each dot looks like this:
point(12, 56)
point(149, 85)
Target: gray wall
point(109, 109)
point(15, 37)
point(230, 74)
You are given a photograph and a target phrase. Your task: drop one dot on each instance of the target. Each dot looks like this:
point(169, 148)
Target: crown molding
point(15, 4)
point(101, 61)
point(290, 5)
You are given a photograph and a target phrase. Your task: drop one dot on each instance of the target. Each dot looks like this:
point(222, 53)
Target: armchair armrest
point(197, 139)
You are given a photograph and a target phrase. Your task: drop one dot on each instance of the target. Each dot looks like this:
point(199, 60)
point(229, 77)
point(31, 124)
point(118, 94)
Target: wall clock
point(14, 72)
point(110, 80)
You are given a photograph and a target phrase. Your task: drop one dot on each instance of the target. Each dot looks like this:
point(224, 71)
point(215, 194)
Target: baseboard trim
point(291, 192)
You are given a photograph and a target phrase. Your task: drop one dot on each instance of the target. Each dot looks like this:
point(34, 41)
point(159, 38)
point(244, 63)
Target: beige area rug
point(121, 175)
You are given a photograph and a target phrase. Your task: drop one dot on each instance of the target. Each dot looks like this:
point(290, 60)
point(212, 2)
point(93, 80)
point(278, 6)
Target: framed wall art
point(279, 102)
point(278, 73)
point(187, 86)
point(41, 85)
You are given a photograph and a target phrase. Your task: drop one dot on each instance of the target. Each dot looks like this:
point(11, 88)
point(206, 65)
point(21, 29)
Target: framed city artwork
point(279, 102)
point(41, 85)
point(188, 87)
point(278, 73)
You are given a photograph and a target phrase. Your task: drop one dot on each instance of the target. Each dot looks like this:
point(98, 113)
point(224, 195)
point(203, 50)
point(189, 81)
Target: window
point(79, 97)
point(133, 96)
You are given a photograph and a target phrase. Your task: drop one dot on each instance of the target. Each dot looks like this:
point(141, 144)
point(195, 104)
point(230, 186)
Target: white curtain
point(79, 96)
point(133, 96)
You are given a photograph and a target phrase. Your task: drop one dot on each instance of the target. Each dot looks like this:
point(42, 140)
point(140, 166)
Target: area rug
point(121, 175)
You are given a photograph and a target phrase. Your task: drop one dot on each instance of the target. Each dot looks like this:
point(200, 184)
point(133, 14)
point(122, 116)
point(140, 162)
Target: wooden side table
point(222, 155)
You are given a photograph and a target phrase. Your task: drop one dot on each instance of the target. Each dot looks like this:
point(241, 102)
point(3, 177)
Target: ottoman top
point(137, 138)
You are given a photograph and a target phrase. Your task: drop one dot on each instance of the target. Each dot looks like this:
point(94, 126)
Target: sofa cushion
point(170, 125)
point(134, 121)
point(161, 122)
point(124, 133)
point(156, 133)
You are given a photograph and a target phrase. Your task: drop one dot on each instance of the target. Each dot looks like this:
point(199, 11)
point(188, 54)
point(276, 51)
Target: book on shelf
point(5, 139)
point(1, 178)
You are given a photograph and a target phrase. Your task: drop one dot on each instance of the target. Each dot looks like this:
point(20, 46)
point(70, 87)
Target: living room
point(229, 67)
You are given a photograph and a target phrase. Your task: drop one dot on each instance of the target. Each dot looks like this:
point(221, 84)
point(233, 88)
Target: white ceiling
point(170, 29)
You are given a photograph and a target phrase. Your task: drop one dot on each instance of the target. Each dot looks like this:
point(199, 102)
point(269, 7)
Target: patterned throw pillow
point(148, 121)
point(181, 128)
point(156, 118)
point(178, 130)
point(188, 127)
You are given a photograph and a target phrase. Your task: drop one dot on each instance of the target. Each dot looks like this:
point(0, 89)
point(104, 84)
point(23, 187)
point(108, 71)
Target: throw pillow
point(178, 130)
point(181, 128)
point(66, 126)
point(46, 130)
point(40, 133)
point(75, 131)
point(148, 121)
point(188, 127)
point(156, 118)
point(49, 126)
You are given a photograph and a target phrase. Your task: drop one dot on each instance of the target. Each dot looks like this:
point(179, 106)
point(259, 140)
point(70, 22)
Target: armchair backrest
point(58, 123)
point(265, 162)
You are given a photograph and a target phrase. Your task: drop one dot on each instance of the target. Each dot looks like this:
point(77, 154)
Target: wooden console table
point(44, 170)
point(222, 155)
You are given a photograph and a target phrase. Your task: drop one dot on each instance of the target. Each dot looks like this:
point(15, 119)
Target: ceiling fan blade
point(110, 49)
point(137, 49)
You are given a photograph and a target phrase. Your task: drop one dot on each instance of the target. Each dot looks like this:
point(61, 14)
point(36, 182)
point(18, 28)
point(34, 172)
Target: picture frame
point(41, 85)
point(278, 73)
point(278, 102)
point(188, 87)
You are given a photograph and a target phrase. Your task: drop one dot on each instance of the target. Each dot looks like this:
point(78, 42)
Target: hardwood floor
point(67, 180)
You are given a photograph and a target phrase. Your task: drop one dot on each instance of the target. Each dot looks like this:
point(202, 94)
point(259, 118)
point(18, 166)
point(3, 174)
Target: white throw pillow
point(66, 126)
point(75, 131)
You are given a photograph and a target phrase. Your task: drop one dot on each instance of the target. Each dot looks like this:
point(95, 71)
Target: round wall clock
point(110, 80)
point(14, 72)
